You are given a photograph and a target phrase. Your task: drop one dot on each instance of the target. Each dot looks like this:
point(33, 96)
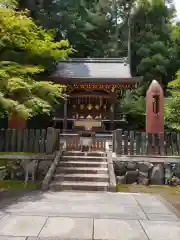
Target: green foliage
point(8, 3)
point(95, 28)
point(151, 40)
point(27, 51)
point(172, 105)
point(155, 55)
point(134, 106)
point(15, 184)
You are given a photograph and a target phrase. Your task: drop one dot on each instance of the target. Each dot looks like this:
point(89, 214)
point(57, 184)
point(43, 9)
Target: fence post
point(50, 140)
point(126, 140)
point(138, 143)
point(131, 143)
point(118, 142)
point(178, 142)
point(161, 144)
point(57, 141)
point(114, 141)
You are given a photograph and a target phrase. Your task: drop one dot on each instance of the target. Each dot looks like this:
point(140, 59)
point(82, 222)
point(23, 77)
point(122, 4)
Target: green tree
point(172, 105)
point(152, 54)
point(8, 3)
point(174, 51)
point(151, 40)
point(133, 105)
point(73, 21)
point(95, 28)
point(27, 51)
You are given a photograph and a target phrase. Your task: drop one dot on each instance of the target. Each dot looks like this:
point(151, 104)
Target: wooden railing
point(99, 145)
point(73, 143)
point(29, 140)
point(123, 143)
point(141, 143)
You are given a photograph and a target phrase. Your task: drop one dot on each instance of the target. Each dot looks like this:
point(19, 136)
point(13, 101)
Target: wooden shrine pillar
point(15, 121)
point(113, 95)
point(112, 116)
point(65, 115)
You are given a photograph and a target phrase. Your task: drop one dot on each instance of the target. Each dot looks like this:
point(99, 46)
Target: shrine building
point(92, 88)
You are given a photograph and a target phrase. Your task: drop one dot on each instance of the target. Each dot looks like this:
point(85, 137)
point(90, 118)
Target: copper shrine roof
point(94, 69)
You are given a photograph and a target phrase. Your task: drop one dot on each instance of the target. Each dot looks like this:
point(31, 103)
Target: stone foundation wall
point(146, 173)
point(15, 170)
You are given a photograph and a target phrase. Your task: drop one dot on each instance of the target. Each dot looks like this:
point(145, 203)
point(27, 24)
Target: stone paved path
point(80, 216)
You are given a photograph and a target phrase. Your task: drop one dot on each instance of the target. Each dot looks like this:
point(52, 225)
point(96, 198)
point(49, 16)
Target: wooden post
point(138, 143)
point(50, 140)
point(7, 139)
point(37, 141)
point(131, 143)
point(150, 144)
point(178, 142)
point(161, 143)
point(42, 141)
point(31, 140)
point(19, 139)
point(25, 140)
point(57, 141)
point(2, 139)
point(174, 143)
point(112, 116)
point(114, 141)
point(13, 140)
point(126, 137)
point(118, 142)
point(65, 115)
point(112, 101)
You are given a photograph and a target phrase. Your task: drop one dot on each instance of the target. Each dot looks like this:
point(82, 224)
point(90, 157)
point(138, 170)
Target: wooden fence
point(141, 143)
point(29, 140)
point(124, 143)
point(73, 143)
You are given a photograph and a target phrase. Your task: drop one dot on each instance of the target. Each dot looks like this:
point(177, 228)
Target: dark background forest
point(36, 34)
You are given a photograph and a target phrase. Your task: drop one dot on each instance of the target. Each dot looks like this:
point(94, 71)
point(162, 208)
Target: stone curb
point(146, 159)
point(112, 178)
point(27, 157)
point(169, 206)
point(51, 171)
point(147, 156)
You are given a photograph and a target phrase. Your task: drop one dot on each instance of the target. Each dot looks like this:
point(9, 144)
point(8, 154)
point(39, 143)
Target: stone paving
point(82, 215)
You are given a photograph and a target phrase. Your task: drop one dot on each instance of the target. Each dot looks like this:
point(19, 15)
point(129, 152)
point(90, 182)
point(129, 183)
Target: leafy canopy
point(27, 54)
point(95, 28)
point(172, 105)
point(151, 40)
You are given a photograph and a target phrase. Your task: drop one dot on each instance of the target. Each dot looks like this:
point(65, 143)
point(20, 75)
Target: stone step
point(96, 154)
point(81, 170)
point(83, 158)
point(82, 186)
point(81, 164)
point(82, 177)
point(73, 153)
point(79, 153)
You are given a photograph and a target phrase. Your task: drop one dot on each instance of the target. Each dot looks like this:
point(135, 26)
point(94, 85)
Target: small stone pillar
point(16, 121)
point(155, 108)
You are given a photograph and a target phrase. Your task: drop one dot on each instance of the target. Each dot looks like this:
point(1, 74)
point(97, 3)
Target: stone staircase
point(81, 171)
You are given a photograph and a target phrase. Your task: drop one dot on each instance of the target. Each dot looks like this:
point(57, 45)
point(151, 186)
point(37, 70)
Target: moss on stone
point(14, 184)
